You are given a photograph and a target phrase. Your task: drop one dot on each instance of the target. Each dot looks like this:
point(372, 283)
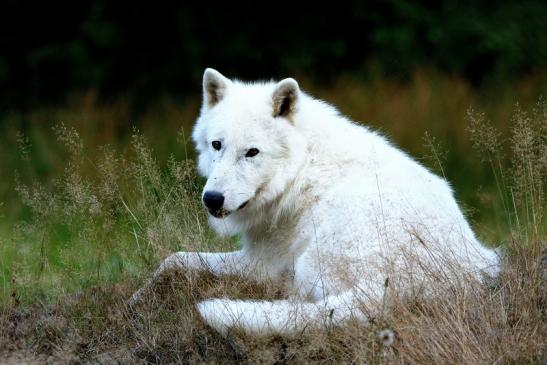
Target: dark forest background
point(152, 49)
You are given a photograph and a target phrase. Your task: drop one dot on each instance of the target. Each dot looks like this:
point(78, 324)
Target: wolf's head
point(249, 148)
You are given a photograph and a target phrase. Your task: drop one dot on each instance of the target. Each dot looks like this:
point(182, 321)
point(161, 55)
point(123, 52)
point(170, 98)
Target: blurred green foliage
point(148, 50)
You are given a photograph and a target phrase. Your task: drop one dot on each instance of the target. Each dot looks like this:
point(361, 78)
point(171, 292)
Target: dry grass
point(127, 215)
point(501, 324)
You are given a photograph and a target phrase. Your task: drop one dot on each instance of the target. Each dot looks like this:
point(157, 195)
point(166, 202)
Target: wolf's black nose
point(213, 200)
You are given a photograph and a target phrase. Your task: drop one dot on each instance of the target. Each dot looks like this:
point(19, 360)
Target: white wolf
point(325, 204)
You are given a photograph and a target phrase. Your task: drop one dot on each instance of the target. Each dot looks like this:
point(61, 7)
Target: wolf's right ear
point(214, 87)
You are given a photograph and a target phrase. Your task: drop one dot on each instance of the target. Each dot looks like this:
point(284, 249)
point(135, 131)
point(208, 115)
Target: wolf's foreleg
point(288, 317)
point(218, 263)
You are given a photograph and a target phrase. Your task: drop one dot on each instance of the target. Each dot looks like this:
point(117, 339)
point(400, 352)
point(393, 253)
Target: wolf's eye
point(216, 145)
point(252, 152)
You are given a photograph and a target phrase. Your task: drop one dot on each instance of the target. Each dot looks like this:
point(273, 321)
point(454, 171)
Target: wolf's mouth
point(243, 205)
point(221, 213)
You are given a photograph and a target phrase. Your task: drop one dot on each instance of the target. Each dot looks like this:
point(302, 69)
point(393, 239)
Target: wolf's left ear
point(285, 98)
point(214, 87)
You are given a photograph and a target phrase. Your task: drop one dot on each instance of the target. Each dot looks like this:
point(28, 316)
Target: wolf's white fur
point(333, 208)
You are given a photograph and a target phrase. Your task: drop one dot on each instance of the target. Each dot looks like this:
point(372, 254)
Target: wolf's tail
point(281, 316)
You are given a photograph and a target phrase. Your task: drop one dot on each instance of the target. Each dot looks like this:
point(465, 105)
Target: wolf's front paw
point(135, 298)
point(216, 313)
